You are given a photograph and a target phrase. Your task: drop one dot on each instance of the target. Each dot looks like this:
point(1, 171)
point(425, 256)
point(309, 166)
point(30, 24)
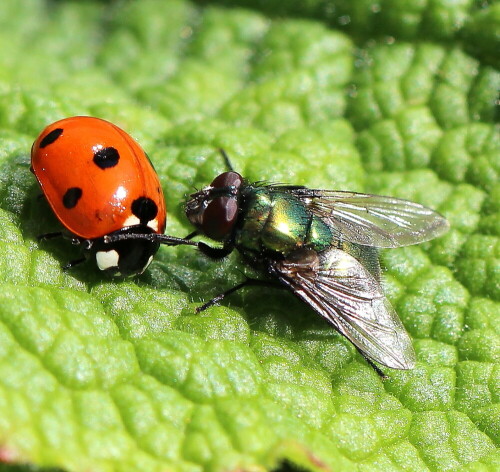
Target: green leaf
point(388, 97)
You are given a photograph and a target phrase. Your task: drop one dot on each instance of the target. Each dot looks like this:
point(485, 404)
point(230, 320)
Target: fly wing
point(341, 290)
point(373, 220)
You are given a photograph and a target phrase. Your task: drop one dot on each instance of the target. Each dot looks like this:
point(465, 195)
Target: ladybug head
point(128, 256)
point(129, 251)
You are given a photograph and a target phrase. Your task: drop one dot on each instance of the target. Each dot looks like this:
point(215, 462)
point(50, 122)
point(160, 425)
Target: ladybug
point(99, 182)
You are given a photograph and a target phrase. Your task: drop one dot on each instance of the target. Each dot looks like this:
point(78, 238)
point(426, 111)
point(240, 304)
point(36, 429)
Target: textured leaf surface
point(388, 97)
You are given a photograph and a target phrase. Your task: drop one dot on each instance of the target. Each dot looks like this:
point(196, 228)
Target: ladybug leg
point(45, 236)
point(73, 263)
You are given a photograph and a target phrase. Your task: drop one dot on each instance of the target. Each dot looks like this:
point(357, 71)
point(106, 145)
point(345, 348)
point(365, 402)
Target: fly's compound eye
point(221, 213)
point(227, 180)
point(214, 210)
point(219, 217)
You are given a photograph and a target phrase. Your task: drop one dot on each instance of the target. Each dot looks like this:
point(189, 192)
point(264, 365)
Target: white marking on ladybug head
point(153, 224)
point(107, 259)
point(132, 220)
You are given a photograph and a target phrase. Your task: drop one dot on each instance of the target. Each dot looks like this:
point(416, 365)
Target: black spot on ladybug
point(71, 197)
point(145, 209)
point(106, 157)
point(51, 137)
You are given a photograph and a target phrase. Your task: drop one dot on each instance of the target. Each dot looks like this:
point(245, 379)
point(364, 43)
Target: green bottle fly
point(321, 245)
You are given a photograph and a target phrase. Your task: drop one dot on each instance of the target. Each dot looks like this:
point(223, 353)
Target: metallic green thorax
point(276, 221)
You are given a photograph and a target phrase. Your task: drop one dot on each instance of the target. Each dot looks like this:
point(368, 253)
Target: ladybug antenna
point(153, 237)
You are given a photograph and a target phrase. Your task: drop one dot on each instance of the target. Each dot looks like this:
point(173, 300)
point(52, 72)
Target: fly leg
point(215, 252)
point(374, 366)
point(220, 253)
point(246, 283)
point(191, 235)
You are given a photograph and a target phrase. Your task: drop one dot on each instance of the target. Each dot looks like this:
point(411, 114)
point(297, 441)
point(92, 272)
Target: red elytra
point(96, 178)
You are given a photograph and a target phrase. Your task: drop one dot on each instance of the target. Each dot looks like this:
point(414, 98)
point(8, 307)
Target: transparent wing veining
point(374, 220)
point(341, 290)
